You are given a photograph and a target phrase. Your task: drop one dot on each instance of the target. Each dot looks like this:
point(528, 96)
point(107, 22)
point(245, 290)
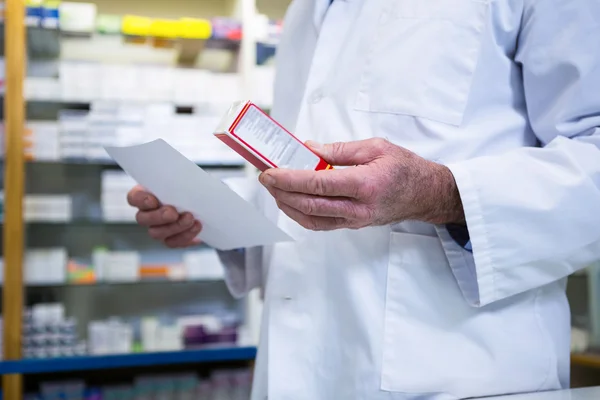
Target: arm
point(243, 267)
point(521, 242)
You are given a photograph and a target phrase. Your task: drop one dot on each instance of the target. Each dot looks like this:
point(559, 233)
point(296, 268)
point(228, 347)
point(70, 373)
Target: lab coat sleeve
point(533, 214)
point(243, 267)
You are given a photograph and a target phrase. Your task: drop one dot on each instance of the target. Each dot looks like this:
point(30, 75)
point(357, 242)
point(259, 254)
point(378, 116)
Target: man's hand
point(164, 223)
point(384, 184)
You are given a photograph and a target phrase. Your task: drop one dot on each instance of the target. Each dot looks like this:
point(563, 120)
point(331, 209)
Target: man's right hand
point(164, 223)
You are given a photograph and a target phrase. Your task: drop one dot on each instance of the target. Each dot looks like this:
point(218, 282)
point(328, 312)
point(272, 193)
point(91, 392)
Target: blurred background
point(107, 312)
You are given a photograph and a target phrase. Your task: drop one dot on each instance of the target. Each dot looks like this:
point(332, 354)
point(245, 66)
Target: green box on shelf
point(109, 24)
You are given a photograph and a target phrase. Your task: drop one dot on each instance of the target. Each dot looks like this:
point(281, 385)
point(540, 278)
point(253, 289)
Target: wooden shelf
point(590, 360)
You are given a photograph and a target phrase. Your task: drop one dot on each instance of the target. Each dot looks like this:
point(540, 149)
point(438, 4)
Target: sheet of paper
point(229, 221)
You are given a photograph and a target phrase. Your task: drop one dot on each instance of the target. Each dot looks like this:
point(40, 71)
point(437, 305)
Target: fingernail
point(148, 202)
point(266, 179)
point(188, 219)
point(168, 214)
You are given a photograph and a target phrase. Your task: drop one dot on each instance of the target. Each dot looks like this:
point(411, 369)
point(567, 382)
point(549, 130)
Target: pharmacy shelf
point(112, 164)
point(84, 104)
point(217, 43)
point(80, 222)
point(50, 365)
point(225, 164)
point(117, 283)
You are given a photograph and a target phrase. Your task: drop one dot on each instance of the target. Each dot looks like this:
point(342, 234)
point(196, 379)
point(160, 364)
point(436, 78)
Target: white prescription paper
point(229, 221)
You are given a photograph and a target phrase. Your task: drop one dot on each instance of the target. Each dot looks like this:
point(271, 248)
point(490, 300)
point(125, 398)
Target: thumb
point(347, 153)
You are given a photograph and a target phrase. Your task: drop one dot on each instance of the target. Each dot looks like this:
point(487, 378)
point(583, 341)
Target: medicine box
point(48, 208)
point(263, 142)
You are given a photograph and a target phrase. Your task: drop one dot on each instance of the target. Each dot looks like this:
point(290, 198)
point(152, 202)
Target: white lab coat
point(402, 311)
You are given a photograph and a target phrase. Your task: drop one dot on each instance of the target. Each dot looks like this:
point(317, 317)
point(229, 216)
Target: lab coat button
point(316, 97)
point(287, 298)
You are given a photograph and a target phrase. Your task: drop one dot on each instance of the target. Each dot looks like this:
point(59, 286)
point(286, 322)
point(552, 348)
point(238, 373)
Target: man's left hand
point(383, 184)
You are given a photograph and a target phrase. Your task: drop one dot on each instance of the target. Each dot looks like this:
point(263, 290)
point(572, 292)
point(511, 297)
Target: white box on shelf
point(47, 313)
point(190, 86)
point(119, 336)
point(177, 272)
point(131, 112)
point(156, 83)
point(100, 133)
point(77, 17)
point(115, 199)
point(129, 133)
point(120, 82)
point(46, 266)
point(38, 88)
point(121, 266)
point(73, 120)
point(263, 81)
point(149, 334)
point(115, 185)
point(48, 208)
point(203, 265)
point(159, 111)
point(169, 338)
point(115, 179)
point(78, 81)
point(98, 338)
point(73, 126)
point(45, 145)
point(224, 88)
point(120, 214)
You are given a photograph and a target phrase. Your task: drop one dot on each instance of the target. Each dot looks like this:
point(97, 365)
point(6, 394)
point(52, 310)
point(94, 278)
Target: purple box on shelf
point(197, 335)
point(226, 28)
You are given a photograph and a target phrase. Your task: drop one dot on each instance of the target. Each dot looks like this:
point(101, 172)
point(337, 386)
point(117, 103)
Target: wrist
point(442, 203)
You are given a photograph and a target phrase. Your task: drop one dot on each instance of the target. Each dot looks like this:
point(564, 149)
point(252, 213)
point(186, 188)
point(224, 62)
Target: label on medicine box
point(263, 142)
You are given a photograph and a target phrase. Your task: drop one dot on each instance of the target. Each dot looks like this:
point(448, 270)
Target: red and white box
point(263, 142)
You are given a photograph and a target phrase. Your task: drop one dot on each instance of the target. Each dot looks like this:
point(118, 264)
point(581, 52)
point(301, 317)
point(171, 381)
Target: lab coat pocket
point(434, 342)
point(422, 58)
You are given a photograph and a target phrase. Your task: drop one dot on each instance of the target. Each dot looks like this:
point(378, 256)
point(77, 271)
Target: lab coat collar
point(320, 10)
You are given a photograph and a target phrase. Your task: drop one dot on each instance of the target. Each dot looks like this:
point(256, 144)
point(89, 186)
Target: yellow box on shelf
point(164, 28)
point(194, 28)
point(134, 25)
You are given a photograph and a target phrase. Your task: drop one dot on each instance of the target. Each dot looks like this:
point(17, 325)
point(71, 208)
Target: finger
point(311, 222)
point(350, 153)
point(138, 197)
point(342, 207)
point(187, 238)
point(162, 232)
point(339, 183)
point(161, 216)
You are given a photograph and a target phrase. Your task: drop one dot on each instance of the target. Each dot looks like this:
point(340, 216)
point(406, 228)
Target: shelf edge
point(50, 365)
